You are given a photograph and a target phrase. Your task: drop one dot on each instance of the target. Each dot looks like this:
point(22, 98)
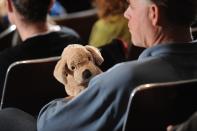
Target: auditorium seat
point(152, 107)
point(6, 37)
point(81, 22)
point(113, 53)
point(30, 84)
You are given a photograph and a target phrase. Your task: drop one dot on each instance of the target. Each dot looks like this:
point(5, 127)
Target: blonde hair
point(110, 7)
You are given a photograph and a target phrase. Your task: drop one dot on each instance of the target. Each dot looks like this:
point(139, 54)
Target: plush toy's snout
point(78, 64)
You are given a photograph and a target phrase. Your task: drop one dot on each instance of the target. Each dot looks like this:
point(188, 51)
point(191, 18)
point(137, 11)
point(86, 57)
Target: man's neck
point(28, 30)
point(176, 35)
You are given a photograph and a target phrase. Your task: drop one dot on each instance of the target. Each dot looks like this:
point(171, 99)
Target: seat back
point(30, 84)
point(194, 32)
point(76, 5)
point(153, 107)
point(113, 53)
point(81, 22)
point(6, 37)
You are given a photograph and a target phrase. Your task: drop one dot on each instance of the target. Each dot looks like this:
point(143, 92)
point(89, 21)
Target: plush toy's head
point(78, 64)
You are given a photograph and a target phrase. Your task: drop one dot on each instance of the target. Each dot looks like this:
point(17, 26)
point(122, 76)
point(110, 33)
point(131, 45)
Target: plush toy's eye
point(72, 67)
point(66, 74)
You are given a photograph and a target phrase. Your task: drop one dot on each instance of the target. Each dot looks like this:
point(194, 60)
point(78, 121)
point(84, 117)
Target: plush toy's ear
point(96, 54)
point(60, 70)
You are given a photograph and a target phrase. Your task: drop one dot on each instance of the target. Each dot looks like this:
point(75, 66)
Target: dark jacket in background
point(40, 46)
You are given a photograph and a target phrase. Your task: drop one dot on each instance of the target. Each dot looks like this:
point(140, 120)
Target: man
point(188, 125)
point(39, 38)
point(163, 27)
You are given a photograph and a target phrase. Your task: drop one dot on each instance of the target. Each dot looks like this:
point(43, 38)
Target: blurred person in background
point(3, 16)
point(39, 38)
point(111, 23)
point(57, 9)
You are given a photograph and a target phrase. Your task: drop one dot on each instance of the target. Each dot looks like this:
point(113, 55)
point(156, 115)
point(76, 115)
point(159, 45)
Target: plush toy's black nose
point(86, 74)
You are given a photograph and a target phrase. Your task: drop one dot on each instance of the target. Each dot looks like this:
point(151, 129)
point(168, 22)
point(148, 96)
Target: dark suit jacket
point(102, 106)
point(188, 125)
point(41, 46)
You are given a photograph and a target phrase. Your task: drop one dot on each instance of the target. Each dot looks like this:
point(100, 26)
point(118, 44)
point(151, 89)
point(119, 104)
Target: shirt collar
point(175, 48)
point(52, 28)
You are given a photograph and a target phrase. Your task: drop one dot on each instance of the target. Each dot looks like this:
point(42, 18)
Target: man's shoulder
point(57, 37)
point(121, 72)
point(130, 72)
point(132, 66)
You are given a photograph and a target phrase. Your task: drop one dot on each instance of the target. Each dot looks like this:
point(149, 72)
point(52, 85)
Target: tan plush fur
point(78, 64)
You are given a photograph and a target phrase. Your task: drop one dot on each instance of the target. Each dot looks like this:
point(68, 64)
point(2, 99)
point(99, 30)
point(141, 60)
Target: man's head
point(151, 20)
point(178, 12)
point(30, 10)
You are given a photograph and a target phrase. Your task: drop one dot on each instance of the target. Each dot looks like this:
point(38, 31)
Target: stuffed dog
point(77, 65)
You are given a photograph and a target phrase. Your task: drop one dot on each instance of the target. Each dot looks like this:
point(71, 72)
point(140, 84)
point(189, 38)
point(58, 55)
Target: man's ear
point(154, 14)
point(9, 5)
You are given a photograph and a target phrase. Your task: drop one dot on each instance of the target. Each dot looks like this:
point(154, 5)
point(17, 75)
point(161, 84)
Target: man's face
point(138, 21)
